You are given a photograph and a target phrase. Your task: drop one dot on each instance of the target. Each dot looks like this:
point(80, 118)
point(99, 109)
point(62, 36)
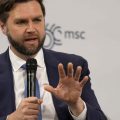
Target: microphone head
point(31, 64)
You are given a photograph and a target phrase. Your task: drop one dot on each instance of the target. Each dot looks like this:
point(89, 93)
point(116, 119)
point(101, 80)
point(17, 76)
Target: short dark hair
point(8, 5)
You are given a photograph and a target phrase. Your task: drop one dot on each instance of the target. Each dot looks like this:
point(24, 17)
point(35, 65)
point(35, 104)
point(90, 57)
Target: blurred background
point(89, 28)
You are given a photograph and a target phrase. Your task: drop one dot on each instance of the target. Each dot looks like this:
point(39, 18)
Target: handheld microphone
point(31, 67)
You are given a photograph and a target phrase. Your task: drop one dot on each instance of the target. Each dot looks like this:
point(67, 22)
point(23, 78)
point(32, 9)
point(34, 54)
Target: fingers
point(78, 73)
point(40, 101)
point(70, 74)
point(70, 70)
point(30, 103)
point(31, 111)
point(31, 117)
point(84, 81)
point(29, 107)
point(61, 71)
point(31, 99)
point(32, 106)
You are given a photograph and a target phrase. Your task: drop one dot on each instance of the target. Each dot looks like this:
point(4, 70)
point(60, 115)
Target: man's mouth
point(31, 40)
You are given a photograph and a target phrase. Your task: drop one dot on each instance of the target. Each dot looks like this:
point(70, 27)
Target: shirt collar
point(17, 62)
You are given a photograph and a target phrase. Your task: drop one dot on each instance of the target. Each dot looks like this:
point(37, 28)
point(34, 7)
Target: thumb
point(49, 88)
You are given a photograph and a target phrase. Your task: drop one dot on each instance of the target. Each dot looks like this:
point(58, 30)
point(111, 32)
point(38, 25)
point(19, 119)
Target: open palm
point(69, 88)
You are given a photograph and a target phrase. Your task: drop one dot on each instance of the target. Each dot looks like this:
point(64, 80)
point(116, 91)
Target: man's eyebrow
point(24, 18)
point(40, 16)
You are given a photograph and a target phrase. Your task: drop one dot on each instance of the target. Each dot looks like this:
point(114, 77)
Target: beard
point(23, 49)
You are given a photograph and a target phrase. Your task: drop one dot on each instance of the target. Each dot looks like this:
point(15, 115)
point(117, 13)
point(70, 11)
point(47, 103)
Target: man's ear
point(3, 27)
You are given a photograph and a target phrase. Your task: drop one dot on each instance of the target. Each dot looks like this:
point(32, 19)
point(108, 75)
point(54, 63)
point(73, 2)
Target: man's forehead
point(29, 9)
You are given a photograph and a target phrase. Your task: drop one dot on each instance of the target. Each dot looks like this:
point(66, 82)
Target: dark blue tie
point(37, 92)
point(38, 96)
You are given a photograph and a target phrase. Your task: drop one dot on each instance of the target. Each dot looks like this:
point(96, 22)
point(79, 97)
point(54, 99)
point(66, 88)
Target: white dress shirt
point(19, 75)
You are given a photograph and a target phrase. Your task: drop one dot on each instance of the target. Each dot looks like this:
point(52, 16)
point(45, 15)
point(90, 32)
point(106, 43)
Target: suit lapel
point(7, 87)
point(53, 78)
point(51, 66)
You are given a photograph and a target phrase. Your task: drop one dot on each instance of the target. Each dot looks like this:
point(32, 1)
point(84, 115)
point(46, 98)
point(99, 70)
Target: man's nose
point(30, 27)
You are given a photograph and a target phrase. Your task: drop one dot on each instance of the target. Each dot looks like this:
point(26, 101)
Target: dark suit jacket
point(52, 59)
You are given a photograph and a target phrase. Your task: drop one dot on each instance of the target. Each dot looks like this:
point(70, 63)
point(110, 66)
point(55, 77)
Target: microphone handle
point(31, 84)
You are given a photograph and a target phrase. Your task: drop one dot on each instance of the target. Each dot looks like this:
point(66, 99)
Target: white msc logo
point(52, 36)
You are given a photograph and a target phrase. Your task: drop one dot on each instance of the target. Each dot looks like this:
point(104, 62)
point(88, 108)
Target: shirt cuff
point(82, 115)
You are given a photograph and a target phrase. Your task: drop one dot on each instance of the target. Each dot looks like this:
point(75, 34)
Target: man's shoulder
point(64, 57)
point(4, 56)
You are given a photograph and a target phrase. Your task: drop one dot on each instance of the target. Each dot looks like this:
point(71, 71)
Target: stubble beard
point(24, 50)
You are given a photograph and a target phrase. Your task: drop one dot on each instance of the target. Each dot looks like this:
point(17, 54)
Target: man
point(65, 76)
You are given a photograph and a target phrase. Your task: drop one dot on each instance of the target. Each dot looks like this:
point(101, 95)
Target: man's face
point(25, 28)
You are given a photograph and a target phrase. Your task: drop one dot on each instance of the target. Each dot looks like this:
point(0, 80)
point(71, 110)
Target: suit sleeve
point(3, 118)
point(94, 111)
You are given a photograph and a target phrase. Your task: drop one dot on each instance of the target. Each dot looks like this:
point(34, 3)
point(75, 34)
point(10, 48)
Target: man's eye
point(37, 20)
point(21, 22)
